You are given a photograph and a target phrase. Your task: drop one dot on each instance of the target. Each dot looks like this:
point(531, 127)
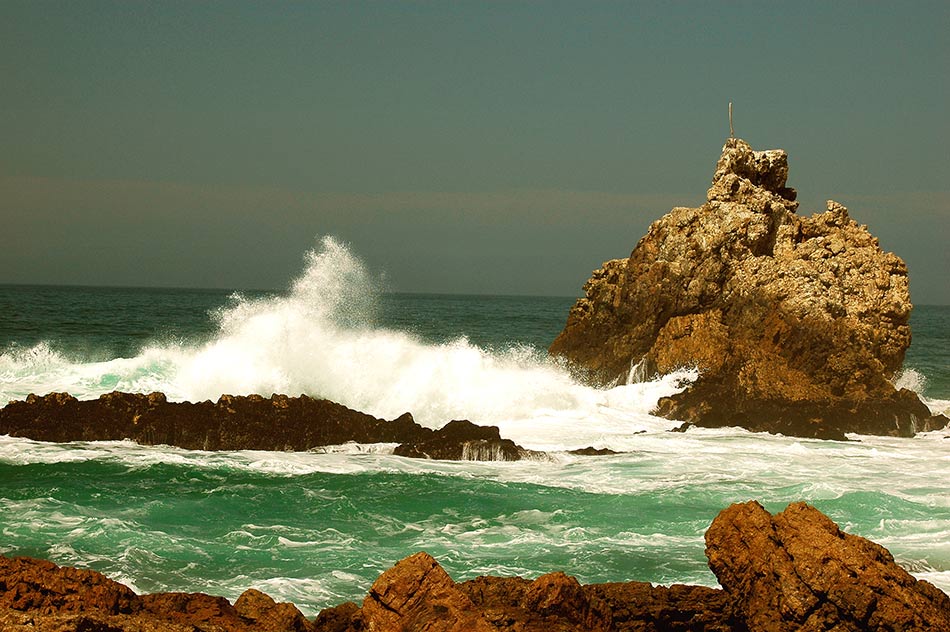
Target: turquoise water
point(317, 528)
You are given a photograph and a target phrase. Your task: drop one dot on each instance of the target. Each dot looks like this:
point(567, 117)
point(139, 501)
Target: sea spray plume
point(334, 287)
point(279, 344)
point(319, 339)
point(337, 286)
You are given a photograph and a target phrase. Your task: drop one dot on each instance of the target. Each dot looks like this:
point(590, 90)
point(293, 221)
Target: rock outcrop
point(798, 571)
point(796, 324)
point(465, 441)
point(247, 422)
point(39, 596)
point(792, 571)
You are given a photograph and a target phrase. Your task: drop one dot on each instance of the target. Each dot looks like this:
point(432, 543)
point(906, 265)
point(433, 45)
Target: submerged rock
point(592, 451)
point(247, 422)
point(792, 571)
point(465, 441)
point(796, 324)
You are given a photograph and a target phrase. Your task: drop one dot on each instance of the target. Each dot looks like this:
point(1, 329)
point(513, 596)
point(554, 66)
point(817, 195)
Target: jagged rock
point(796, 324)
point(798, 571)
point(31, 585)
point(41, 596)
point(266, 615)
point(554, 602)
point(247, 422)
point(592, 451)
point(346, 617)
point(643, 607)
point(417, 588)
point(464, 441)
point(418, 595)
point(197, 609)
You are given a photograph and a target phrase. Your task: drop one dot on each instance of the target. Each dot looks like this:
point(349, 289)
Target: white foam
point(911, 379)
point(319, 339)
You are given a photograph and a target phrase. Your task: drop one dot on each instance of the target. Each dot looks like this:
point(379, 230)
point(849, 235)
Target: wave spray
point(320, 339)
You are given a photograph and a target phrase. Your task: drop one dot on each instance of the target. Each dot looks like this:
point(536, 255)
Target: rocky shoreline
point(795, 570)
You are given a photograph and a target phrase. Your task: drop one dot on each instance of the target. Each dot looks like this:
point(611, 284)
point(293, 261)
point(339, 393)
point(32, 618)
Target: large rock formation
point(795, 323)
point(797, 571)
point(247, 422)
point(792, 571)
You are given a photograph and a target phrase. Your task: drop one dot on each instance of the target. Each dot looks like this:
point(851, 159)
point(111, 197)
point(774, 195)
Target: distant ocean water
point(317, 528)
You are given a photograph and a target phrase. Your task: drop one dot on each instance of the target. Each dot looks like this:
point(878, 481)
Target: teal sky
point(457, 147)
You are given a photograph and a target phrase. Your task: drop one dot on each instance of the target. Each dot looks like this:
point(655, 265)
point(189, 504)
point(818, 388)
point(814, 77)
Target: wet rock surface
point(465, 441)
point(796, 324)
point(249, 422)
point(792, 571)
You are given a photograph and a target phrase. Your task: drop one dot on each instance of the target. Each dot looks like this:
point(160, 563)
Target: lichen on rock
point(797, 324)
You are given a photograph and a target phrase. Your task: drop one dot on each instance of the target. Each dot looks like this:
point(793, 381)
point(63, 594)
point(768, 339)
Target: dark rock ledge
point(792, 571)
point(247, 422)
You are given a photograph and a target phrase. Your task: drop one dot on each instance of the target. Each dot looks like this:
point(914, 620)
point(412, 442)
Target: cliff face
point(796, 324)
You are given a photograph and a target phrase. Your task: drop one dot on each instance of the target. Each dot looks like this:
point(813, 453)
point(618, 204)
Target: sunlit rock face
point(797, 324)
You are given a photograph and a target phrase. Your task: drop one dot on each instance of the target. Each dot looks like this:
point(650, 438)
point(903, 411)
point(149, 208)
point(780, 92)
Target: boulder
point(30, 585)
point(41, 596)
point(346, 617)
point(796, 324)
point(643, 607)
point(798, 571)
point(418, 595)
point(192, 609)
point(266, 615)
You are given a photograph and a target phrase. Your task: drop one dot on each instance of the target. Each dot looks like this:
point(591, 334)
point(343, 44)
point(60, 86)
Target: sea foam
point(319, 339)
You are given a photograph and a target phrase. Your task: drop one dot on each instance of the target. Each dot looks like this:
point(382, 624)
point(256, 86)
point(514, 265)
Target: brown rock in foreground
point(798, 571)
point(38, 595)
point(796, 323)
point(792, 571)
point(247, 422)
point(417, 594)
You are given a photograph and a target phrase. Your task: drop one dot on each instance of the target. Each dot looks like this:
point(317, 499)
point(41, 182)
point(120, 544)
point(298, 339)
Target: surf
point(320, 338)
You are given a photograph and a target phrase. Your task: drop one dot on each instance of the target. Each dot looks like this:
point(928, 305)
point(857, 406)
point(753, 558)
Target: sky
point(459, 147)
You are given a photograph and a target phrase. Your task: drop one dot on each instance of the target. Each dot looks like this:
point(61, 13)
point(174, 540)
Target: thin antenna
point(732, 132)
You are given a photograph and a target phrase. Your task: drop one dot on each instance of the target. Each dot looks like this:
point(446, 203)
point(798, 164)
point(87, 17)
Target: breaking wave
point(319, 340)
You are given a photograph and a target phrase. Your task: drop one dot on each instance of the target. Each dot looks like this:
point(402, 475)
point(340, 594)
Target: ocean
point(317, 528)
